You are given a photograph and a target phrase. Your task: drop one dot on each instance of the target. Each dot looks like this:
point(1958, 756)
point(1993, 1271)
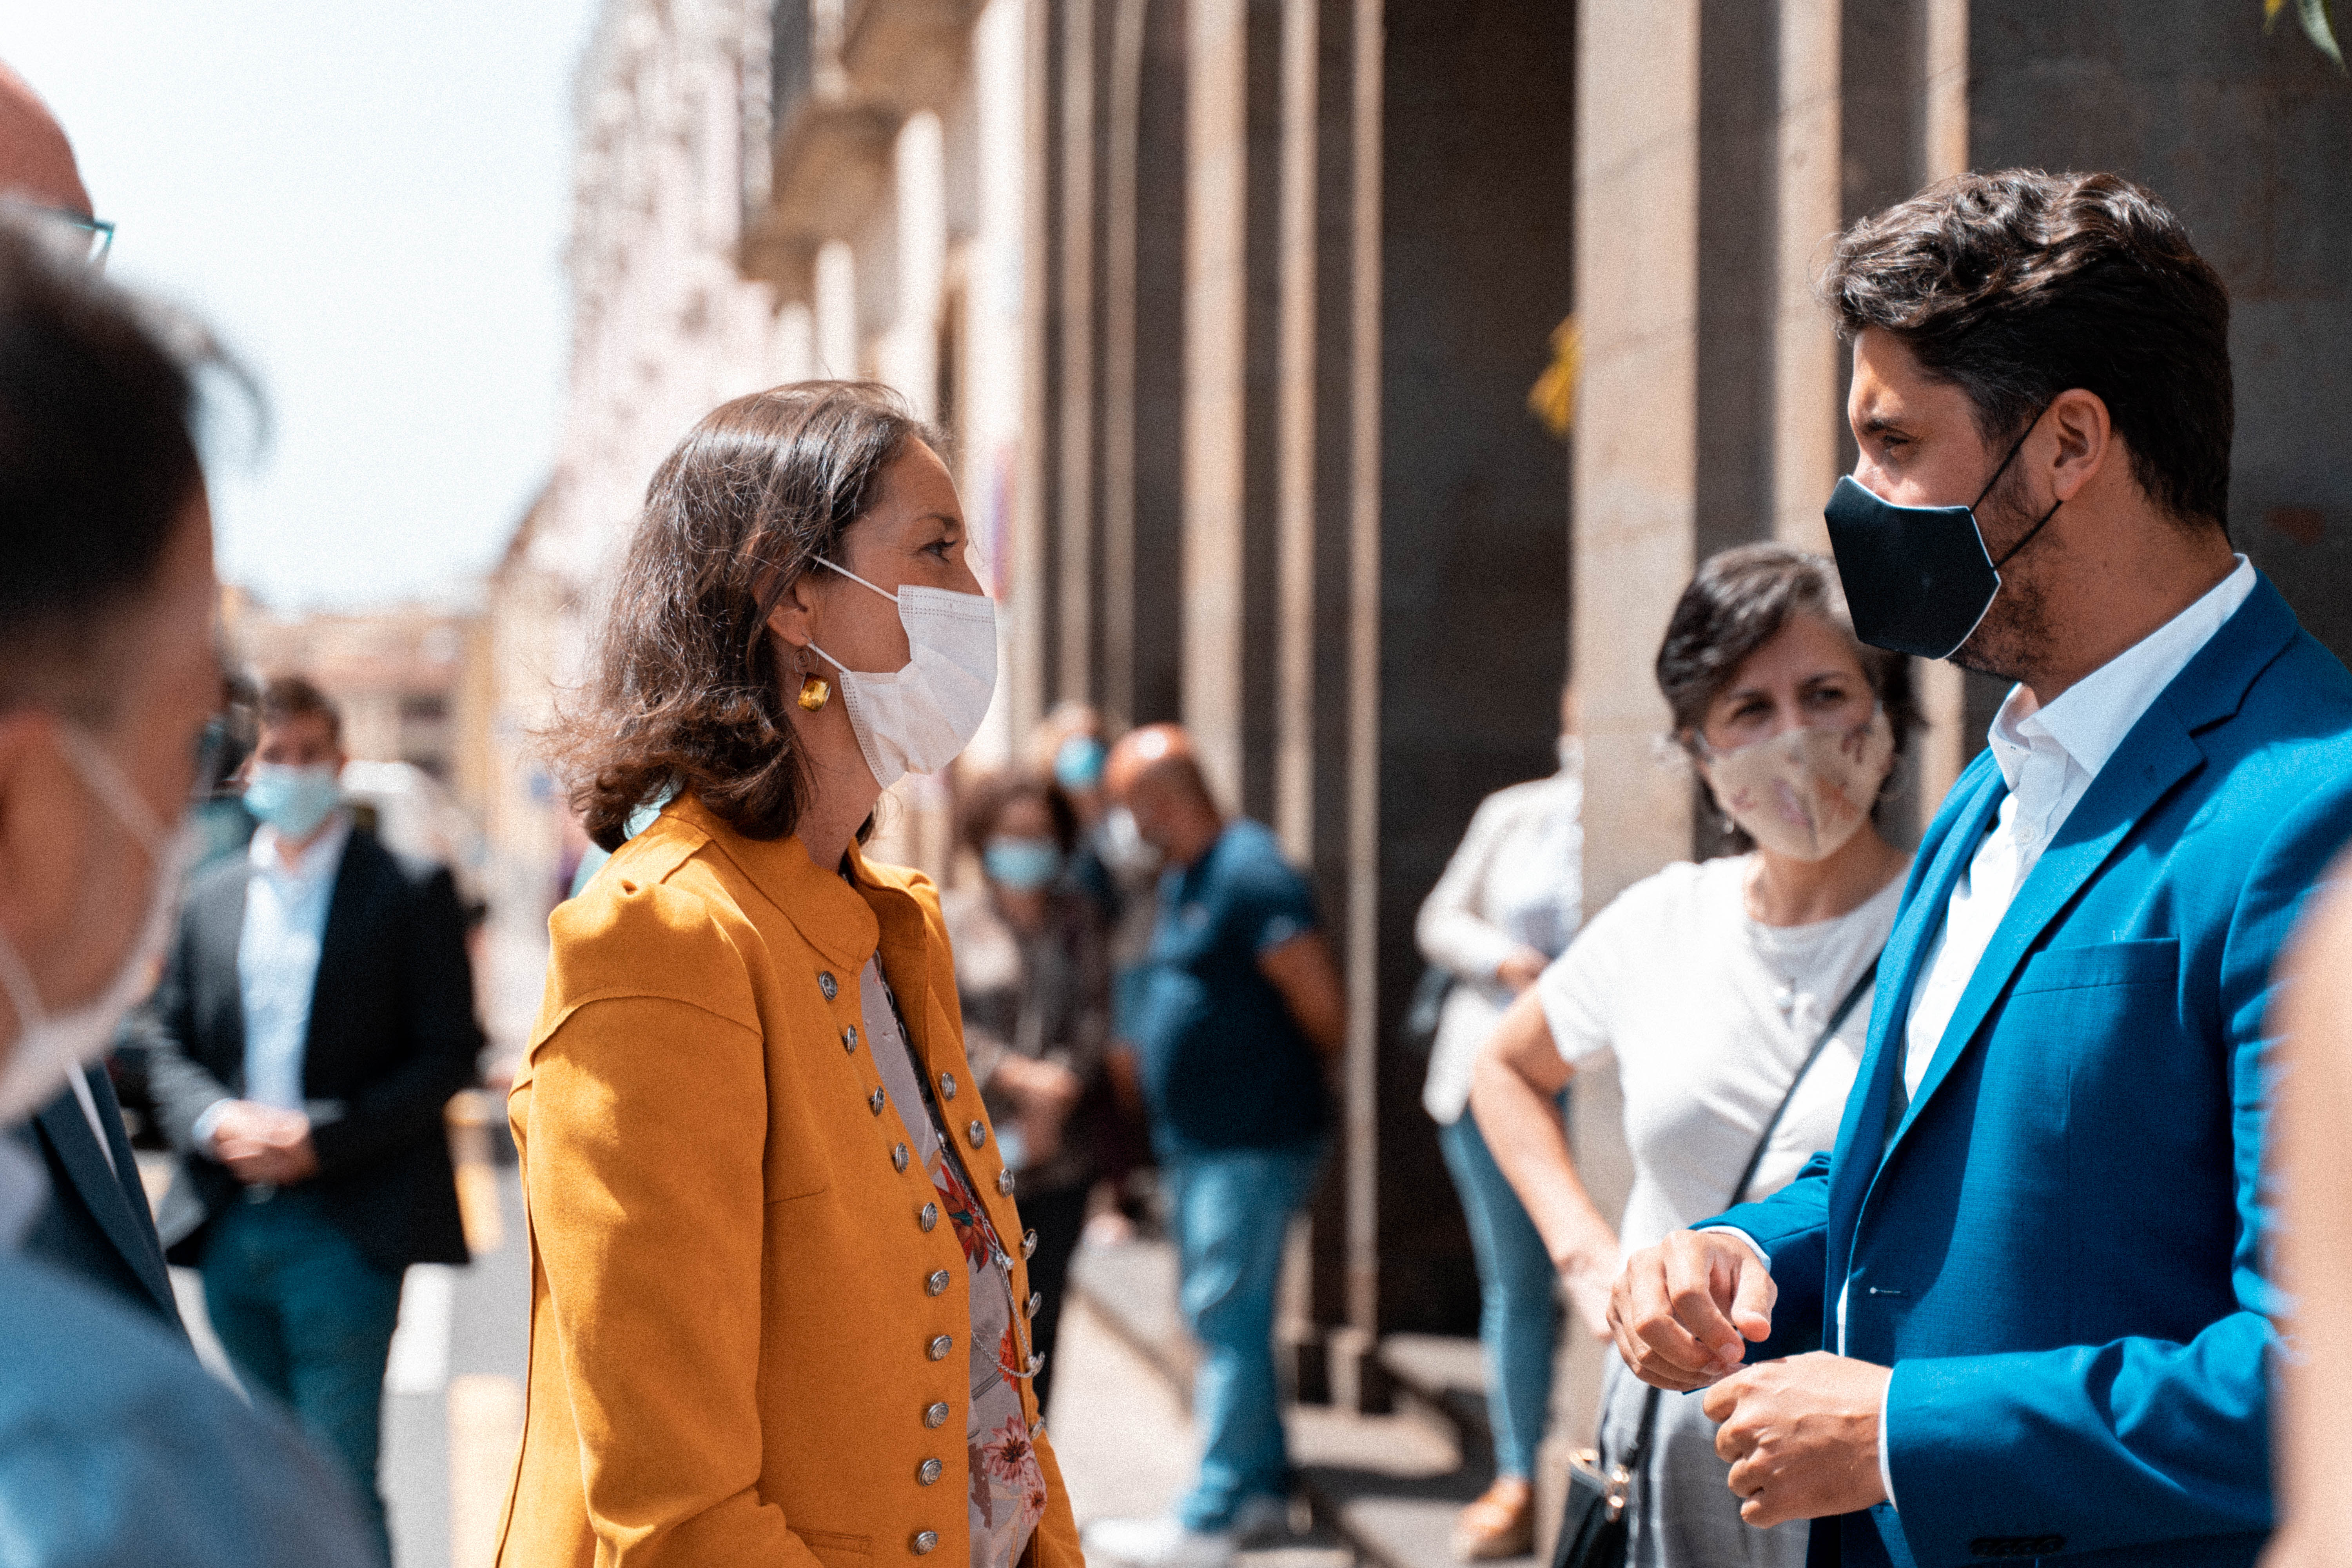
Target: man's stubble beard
point(2012, 640)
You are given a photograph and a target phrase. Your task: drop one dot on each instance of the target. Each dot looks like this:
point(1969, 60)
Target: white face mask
point(1805, 792)
point(50, 1047)
point(919, 718)
point(1124, 848)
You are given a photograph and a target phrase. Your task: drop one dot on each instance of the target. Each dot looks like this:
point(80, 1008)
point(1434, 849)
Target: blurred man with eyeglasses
point(116, 1446)
point(96, 1221)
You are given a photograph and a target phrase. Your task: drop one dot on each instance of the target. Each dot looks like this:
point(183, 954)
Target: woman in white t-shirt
point(1709, 984)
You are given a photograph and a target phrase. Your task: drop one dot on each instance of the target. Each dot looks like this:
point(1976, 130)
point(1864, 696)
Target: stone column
point(1635, 480)
point(1808, 413)
point(1075, 522)
point(1232, 146)
point(1216, 391)
point(1030, 596)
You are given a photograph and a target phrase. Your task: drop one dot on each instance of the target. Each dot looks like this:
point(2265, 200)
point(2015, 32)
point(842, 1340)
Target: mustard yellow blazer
point(732, 1356)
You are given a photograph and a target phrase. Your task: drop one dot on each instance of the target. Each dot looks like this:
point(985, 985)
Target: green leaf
point(2319, 26)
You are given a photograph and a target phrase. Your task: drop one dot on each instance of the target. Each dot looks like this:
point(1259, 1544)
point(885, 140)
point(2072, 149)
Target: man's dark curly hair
point(2018, 286)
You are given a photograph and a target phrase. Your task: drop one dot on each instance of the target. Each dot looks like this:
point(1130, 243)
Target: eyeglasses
point(75, 237)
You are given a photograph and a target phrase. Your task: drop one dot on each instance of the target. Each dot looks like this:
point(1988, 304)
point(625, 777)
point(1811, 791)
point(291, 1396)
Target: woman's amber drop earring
point(815, 692)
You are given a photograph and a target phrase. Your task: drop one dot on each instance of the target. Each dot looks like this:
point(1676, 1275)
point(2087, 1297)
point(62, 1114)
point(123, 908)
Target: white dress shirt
point(277, 963)
point(24, 1188)
point(87, 1100)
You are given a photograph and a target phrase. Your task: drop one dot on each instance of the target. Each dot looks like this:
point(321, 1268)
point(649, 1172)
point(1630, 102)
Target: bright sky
point(368, 203)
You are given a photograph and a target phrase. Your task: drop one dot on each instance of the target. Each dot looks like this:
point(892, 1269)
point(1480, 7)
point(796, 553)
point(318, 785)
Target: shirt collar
point(2090, 718)
point(325, 852)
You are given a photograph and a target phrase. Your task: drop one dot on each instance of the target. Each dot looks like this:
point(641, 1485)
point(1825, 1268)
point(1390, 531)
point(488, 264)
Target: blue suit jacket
point(2060, 1253)
point(118, 1450)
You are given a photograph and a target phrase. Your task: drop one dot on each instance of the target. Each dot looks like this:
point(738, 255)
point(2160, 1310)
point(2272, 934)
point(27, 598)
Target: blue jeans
point(307, 1320)
point(1231, 1208)
point(1519, 1312)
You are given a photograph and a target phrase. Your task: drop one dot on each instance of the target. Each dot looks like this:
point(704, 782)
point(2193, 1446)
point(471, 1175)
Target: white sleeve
point(1579, 989)
point(1449, 930)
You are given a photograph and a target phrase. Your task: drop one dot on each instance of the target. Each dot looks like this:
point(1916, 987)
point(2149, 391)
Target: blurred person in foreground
point(315, 1016)
point(780, 1301)
point(2019, 1310)
point(1732, 994)
point(1511, 898)
point(96, 1221)
point(1242, 1016)
point(2314, 1249)
point(1034, 981)
point(115, 1446)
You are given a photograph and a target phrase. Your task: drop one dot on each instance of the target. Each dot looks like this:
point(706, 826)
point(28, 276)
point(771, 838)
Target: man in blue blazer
point(2022, 1302)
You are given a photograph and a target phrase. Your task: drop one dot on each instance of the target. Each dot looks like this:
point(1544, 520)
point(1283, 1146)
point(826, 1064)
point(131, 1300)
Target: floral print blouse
point(1008, 1485)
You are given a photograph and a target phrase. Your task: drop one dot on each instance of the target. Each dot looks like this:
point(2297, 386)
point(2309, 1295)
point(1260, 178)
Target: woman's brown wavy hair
point(686, 692)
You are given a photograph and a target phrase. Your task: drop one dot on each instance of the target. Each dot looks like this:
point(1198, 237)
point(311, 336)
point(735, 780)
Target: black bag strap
point(1641, 1448)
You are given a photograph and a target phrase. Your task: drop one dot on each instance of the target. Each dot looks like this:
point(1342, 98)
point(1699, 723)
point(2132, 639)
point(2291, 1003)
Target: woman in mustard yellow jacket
point(779, 1291)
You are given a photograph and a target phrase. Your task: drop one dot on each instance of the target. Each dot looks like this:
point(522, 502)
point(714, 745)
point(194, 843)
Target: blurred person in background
point(1733, 994)
point(2313, 1244)
point(315, 1016)
point(1242, 1016)
point(1035, 981)
point(1114, 867)
point(96, 1221)
point(1507, 904)
point(780, 1299)
point(116, 1446)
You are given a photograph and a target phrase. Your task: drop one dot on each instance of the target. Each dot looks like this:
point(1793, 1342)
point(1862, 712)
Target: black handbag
point(1597, 1528)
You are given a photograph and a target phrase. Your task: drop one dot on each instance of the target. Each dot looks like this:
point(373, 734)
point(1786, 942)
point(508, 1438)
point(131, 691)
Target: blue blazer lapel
point(2159, 753)
point(107, 1197)
point(1861, 1135)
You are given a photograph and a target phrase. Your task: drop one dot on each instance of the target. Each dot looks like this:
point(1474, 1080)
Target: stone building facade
point(1230, 308)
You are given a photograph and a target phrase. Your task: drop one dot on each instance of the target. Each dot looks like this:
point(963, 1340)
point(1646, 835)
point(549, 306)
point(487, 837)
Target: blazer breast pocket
point(2144, 961)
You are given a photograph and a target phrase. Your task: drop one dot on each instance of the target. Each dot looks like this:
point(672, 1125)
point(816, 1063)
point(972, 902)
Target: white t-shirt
point(1708, 1014)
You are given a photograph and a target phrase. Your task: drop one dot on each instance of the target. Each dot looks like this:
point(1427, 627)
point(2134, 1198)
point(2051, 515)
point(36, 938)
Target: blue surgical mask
point(1079, 764)
point(1021, 865)
point(293, 800)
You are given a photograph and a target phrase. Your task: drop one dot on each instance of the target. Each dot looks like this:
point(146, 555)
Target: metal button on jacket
point(924, 1542)
point(898, 1156)
point(927, 1216)
point(936, 1414)
point(849, 1038)
point(977, 1132)
point(947, 1085)
point(939, 1346)
point(826, 984)
point(1004, 1183)
point(936, 1282)
point(930, 1471)
point(1028, 1243)
point(874, 1102)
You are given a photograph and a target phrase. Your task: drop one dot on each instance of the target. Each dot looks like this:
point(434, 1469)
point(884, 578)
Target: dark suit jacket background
point(391, 1036)
point(95, 1223)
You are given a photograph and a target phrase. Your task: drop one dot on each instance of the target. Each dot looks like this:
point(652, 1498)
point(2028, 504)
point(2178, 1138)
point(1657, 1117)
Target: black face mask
point(1917, 578)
